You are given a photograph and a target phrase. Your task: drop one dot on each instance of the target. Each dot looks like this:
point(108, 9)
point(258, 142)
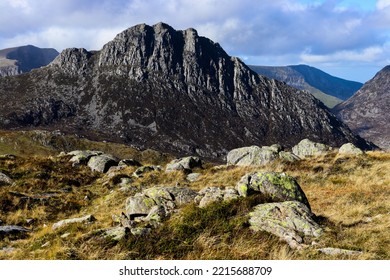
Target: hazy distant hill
point(329, 89)
point(367, 112)
point(14, 61)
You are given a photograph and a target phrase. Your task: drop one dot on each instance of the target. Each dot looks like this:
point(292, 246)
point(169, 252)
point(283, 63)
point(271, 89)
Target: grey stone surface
point(290, 220)
point(276, 186)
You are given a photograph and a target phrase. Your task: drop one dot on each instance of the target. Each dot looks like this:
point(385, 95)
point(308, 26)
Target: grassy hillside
point(348, 194)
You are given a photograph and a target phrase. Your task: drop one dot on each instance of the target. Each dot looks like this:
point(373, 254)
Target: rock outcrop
point(277, 186)
point(309, 148)
point(173, 91)
point(292, 221)
point(350, 149)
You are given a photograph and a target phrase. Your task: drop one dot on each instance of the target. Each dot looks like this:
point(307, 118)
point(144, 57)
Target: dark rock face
point(367, 112)
point(19, 60)
point(155, 87)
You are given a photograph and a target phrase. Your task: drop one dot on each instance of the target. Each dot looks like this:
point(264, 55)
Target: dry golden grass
point(349, 195)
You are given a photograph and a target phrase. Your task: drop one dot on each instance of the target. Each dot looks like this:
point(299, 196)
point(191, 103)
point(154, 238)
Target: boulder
point(350, 149)
point(184, 164)
point(290, 220)
point(252, 155)
point(13, 231)
point(82, 157)
point(192, 177)
point(276, 186)
point(139, 172)
point(86, 219)
point(214, 194)
point(288, 156)
point(102, 163)
point(5, 180)
point(169, 198)
point(310, 148)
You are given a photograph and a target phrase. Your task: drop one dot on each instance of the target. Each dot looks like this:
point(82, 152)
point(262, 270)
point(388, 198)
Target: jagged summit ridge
point(156, 87)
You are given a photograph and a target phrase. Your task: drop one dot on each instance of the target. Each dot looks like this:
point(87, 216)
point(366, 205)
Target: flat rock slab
point(13, 231)
point(85, 219)
point(290, 220)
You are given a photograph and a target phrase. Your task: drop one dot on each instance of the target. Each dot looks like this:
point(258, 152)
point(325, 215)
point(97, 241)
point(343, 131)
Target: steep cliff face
point(367, 112)
point(14, 61)
point(155, 87)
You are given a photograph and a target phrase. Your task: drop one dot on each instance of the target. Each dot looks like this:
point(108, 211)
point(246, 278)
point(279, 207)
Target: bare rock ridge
point(175, 91)
point(367, 112)
point(14, 61)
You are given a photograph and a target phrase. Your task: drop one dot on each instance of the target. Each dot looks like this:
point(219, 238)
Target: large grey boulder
point(309, 148)
point(252, 155)
point(102, 163)
point(350, 149)
point(186, 163)
point(169, 198)
point(5, 180)
point(85, 220)
point(277, 186)
point(215, 194)
point(290, 220)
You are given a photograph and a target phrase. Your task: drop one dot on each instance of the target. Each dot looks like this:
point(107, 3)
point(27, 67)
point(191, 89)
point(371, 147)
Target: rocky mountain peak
point(175, 91)
point(366, 112)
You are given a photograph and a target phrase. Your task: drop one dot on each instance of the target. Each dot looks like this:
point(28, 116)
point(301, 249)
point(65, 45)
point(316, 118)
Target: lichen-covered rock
point(5, 180)
point(287, 156)
point(310, 148)
point(252, 155)
point(214, 194)
point(277, 186)
point(86, 219)
point(141, 204)
point(290, 220)
point(350, 149)
point(116, 233)
point(102, 163)
point(186, 163)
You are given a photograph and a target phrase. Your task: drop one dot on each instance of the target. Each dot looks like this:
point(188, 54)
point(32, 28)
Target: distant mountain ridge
point(173, 91)
point(367, 112)
point(329, 89)
point(14, 61)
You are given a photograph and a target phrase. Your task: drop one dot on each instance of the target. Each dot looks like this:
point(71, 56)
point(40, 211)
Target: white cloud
point(374, 53)
point(382, 4)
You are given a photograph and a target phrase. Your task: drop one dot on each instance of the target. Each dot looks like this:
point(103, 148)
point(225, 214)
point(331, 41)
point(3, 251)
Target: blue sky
point(346, 38)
